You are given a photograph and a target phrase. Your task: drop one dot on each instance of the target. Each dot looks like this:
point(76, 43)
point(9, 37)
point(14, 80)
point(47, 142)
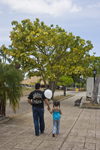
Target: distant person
point(38, 98)
point(56, 111)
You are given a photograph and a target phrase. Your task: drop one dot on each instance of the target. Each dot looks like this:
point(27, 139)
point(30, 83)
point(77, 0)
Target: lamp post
point(94, 73)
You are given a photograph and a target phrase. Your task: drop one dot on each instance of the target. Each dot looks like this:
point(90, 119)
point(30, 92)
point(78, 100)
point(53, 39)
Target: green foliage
point(3, 57)
point(65, 80)
point(79, 84)
point(10, 84)
point(47, 51)
point(96, 65)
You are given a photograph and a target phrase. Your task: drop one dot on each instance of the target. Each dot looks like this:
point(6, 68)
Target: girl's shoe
point(53, 135)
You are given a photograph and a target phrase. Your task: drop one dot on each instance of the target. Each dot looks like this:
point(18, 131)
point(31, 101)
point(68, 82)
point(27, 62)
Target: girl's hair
point(56, 103)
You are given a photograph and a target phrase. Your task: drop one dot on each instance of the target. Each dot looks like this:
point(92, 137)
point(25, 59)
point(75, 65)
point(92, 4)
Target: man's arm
point(29, 101)
point(51, 111)
point(47, 103)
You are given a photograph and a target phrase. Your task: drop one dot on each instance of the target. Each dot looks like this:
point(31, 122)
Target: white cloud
point(97, 5)
point(75, 9)
point(0, 12)
point(52, 7)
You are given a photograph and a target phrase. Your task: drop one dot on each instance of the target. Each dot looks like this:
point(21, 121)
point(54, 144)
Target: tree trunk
point(52, 86)
point(95, 90)
point(44, 81)
point(2, 107)
point(64, 88)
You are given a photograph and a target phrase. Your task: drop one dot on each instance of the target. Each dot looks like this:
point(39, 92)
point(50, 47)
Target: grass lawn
point(27, 90)
point(61, 97)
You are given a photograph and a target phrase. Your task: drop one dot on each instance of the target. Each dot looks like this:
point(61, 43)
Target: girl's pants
point(56, 126)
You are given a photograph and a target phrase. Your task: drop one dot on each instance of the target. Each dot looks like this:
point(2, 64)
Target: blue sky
point(81, 17)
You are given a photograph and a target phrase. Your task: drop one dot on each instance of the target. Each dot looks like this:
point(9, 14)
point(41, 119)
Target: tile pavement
point(79, 130)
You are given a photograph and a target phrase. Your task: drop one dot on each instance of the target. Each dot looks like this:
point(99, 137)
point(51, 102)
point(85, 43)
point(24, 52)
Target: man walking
point(38, 98)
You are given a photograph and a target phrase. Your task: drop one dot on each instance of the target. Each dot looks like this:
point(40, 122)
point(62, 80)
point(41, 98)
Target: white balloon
point(48, 93)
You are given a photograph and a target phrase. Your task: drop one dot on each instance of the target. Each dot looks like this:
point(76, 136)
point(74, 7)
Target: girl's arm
point(60, 111)
point(51, 111)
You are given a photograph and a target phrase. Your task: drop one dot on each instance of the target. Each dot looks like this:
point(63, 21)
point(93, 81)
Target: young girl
point(56, 117)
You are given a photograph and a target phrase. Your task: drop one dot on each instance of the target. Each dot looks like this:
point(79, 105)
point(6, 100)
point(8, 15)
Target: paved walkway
point(79, 130)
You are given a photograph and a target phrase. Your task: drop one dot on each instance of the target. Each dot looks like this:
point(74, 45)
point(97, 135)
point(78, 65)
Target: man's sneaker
point(37, 134)
point(53, 135)
point(42, 132)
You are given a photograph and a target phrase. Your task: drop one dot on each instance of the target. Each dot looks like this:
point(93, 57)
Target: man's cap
point(37, 85)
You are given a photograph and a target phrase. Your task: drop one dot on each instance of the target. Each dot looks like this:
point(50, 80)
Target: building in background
point(32, 81)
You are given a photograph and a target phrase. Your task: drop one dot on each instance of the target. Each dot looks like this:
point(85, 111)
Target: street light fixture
point(94, 73)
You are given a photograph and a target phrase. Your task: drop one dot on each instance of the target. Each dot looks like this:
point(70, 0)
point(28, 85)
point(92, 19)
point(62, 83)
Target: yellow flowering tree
point(47, 51)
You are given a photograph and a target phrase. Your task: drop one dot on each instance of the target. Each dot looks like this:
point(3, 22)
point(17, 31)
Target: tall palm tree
point(10, 84)
point(4, 57)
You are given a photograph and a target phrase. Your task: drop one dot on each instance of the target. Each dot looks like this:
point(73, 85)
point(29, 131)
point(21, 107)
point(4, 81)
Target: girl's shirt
point(56, 114)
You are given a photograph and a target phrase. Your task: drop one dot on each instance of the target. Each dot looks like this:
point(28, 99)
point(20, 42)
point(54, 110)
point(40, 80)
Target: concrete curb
point(3, 119)
point(51, 101)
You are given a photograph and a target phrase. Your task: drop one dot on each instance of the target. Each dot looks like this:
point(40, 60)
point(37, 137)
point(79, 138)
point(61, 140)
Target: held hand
point(48, 108)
